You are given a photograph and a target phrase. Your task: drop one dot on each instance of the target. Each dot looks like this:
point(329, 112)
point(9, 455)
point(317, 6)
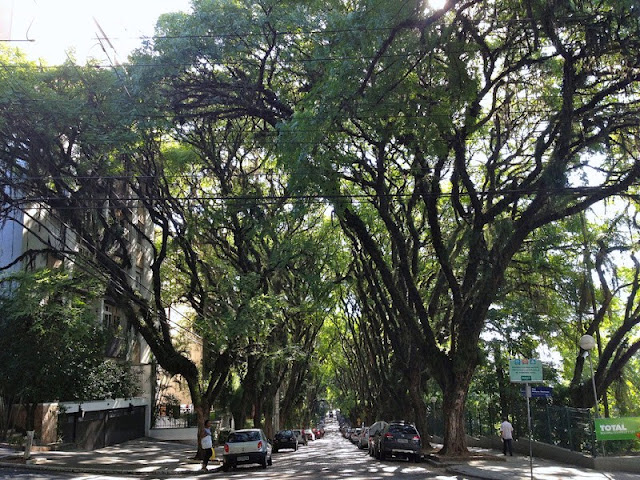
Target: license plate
point(403, 440)
point(243, 459)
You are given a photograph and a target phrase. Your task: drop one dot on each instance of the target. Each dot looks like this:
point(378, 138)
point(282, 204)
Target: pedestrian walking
point(207, 444)
point(506, 432)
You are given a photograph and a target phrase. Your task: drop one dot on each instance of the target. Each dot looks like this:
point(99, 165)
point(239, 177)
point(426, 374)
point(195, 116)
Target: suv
point(399, 439)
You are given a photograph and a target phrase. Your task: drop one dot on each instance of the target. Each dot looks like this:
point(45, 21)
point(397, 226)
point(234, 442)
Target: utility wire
point(82, 261)
point(319, 198)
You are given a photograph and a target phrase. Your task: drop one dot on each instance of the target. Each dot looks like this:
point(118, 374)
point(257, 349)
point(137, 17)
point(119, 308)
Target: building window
point(109, 317)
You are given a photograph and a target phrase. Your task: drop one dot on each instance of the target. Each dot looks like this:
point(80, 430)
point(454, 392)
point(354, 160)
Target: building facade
point(35, 237)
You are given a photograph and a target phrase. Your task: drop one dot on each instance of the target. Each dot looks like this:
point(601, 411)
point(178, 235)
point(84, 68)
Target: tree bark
point(419, 407)
point(455, 442)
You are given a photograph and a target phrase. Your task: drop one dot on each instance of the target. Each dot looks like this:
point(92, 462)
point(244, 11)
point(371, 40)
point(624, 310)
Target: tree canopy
point(408, 178)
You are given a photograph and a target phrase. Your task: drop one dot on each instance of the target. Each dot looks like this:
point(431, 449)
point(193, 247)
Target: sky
point(55, 26)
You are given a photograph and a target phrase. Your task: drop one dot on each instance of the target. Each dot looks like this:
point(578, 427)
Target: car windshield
point(284, 433)
point(404, 429)
point(236, 437)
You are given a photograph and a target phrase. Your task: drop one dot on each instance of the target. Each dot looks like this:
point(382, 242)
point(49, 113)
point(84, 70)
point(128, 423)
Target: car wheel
point(264, 461)
point(382, 455)
point(225, 467)
point(275, 450)
point(270, 460)
point(416, 458)
point(295, 447)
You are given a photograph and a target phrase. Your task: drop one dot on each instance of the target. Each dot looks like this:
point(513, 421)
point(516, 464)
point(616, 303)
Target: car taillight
point(416, 438)
point(388, 435)
point(226, 448)
point(260, 445)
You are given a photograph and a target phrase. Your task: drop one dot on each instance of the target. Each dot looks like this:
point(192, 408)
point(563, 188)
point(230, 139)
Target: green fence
point(565, 427)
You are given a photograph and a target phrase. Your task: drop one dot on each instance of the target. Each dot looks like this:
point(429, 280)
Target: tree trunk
point(455, 442)
point(203, 410)
point(257, 412)
point(30, 421)
point(419, 406)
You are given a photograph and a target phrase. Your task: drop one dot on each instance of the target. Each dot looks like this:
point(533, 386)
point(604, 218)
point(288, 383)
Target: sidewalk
point(137, 457)
point(518, 468)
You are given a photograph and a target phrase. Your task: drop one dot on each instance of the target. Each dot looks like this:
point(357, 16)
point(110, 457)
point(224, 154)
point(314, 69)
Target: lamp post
point(433, 415)
point(587, 343)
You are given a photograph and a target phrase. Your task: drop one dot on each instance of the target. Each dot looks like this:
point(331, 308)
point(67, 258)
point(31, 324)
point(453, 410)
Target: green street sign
point(625, 428)
point(525, 370)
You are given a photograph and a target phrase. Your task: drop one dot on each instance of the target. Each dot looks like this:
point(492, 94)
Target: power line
point(576, 17)
point(83, 261)
point(315, 198)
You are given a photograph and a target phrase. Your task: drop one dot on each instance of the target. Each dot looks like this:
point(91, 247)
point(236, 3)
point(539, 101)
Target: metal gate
point(97, 429)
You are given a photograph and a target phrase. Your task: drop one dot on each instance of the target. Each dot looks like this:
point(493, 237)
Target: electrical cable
point(82, 261)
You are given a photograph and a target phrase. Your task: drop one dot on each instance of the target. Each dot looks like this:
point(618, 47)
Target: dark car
point(399, 439)
point(285, 439)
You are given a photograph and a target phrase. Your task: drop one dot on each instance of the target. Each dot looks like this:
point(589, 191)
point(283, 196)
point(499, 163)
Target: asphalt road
point(331, 457)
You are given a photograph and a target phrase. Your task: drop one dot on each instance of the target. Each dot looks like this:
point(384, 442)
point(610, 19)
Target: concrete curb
point(104, 471)
point(476, 473)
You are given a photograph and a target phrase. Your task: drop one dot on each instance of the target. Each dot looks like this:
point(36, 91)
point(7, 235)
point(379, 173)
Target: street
point(331, 457)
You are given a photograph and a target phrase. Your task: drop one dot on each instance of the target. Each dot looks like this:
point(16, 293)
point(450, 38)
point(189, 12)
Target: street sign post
point(526, 370)
point(539, 392)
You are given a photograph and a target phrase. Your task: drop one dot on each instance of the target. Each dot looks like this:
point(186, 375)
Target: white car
point(302, 439)
point(246, 446)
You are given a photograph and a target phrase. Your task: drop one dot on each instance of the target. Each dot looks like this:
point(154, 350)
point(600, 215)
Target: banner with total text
point(625, 428)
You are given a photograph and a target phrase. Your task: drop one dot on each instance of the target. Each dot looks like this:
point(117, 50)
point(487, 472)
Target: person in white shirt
point(207, 444)
point(506, 432)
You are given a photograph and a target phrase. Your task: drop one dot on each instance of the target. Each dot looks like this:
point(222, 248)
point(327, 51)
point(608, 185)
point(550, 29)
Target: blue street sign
point(539, 392)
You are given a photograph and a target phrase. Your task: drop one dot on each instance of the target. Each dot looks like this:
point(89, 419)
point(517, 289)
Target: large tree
point(223, 238)
point(466, 129)
point(467, 132)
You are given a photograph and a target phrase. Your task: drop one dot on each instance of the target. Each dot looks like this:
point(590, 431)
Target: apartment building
point(35, 237)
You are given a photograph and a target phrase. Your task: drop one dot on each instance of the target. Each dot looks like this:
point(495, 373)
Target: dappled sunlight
point(329, 458)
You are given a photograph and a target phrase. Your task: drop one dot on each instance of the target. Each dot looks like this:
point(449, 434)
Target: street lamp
point(433, 414)
point(587, 343)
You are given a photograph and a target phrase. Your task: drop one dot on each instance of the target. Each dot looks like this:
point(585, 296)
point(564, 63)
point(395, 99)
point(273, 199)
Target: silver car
point(246, 446)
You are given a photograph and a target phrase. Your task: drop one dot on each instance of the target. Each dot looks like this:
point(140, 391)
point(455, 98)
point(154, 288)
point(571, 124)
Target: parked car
point(374, 432)
point(302, 438)
point(223, 434)
point(355, 436)
point(399, 439)
point(246, 446)
point(309, 434)
point(363, 439)
point(285, 439)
